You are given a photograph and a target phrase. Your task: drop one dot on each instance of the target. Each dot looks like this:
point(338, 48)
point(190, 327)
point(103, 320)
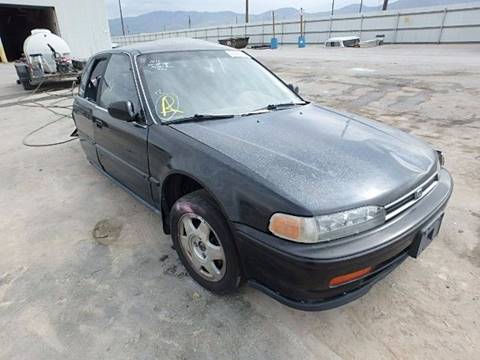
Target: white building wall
point(83, 24)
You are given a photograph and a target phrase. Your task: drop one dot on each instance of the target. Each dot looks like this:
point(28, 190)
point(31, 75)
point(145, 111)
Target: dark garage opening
point(16, 22)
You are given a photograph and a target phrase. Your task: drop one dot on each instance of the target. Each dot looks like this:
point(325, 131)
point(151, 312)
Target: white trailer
point(47, 58)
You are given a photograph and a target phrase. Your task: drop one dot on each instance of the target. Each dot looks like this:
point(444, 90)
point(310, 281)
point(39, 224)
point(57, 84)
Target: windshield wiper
point(201, 117)
point(289, 104)
point(272, 107)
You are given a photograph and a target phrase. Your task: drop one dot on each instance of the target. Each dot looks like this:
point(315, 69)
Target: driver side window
point(118, 83)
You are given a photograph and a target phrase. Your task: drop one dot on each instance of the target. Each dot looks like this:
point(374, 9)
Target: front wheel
point(204, 243)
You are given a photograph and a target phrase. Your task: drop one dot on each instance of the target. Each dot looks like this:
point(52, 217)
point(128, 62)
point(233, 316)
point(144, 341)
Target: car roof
point(170, 45)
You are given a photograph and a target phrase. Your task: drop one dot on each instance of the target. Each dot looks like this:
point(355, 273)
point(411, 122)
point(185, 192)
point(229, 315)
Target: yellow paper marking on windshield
point(169, 106)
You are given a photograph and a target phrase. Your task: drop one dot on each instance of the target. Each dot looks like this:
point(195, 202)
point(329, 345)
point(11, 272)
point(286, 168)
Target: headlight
point(326, 227)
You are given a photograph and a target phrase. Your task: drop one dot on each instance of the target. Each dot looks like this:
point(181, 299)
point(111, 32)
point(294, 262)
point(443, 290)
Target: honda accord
point(255, 184)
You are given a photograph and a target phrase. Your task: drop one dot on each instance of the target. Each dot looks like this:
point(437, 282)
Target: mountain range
point(157, 21)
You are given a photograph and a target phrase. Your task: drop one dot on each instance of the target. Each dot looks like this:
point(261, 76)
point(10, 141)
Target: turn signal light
point(286, 226)
point(343, 279)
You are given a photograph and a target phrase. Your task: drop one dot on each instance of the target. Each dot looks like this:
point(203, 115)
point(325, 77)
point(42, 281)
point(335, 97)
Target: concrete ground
point(86, 273)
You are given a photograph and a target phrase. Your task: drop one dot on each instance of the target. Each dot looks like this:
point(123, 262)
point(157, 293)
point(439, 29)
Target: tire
point(220, 276)
point(27, 85)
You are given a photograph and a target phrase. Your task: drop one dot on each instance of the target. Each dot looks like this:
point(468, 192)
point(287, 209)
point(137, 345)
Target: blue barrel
point(274, 43)
point(301, 41)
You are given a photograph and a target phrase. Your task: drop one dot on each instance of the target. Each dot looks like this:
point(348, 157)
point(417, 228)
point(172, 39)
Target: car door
point(85, 103)
point(121, 145)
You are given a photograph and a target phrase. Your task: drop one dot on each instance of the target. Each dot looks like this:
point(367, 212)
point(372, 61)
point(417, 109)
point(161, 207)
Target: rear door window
point(85, 77)
point(93, 80)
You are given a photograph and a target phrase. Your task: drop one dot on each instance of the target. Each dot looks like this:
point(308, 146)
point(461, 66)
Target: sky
point(138, 7)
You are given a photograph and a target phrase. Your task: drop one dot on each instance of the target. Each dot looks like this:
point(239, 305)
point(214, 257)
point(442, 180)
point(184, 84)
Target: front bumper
point(298, 275)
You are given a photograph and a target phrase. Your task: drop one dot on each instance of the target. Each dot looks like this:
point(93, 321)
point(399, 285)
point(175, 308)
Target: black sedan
point(255, 184)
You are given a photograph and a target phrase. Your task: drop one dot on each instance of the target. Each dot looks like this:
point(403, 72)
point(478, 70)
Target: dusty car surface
point(255, 184)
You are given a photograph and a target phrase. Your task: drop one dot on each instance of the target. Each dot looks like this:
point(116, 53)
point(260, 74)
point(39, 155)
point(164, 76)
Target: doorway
point(16, 23)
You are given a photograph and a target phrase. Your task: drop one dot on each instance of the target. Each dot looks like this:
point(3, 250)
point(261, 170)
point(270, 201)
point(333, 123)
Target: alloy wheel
point(201, 247)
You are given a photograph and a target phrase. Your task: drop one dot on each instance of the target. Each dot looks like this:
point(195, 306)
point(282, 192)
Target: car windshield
point(182, 85)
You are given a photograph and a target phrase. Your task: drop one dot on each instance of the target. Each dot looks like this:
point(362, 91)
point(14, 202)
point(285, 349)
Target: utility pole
point(333, 6)
point(361, 6)
point(189, 22)
point(301, 21)
point(273, 40)
point(301, 38)
point(385, 5)
point(273, 23)
point(121, 16)
point(246, 11)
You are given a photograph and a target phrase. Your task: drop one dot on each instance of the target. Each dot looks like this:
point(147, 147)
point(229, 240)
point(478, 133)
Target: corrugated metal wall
point(453, 24)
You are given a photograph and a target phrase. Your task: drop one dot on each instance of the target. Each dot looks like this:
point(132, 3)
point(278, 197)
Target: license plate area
point(425, 237)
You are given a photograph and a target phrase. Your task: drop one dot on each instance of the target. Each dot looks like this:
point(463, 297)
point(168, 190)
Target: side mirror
point(294, 88)
point(122, 110)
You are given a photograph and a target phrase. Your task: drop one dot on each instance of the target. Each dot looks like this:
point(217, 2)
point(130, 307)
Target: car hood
point(320, 159)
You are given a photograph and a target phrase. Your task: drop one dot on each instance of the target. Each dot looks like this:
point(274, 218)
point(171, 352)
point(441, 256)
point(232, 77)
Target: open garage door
point(16, 22)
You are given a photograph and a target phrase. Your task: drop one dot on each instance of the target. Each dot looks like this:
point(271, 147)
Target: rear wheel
point(204, 243)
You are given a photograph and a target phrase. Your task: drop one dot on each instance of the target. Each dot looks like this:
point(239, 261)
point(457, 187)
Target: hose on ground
point(51, 108)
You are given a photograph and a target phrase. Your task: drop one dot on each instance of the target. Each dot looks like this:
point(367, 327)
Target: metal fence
point(452, 24)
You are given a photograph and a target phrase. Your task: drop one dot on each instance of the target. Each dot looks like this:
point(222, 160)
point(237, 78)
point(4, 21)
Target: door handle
point(98, 122)
point(83, 112)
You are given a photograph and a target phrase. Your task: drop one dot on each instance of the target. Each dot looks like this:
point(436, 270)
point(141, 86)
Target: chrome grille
point(400, 205)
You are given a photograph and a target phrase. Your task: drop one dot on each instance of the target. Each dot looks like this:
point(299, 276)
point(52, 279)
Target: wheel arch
point(177, 184)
